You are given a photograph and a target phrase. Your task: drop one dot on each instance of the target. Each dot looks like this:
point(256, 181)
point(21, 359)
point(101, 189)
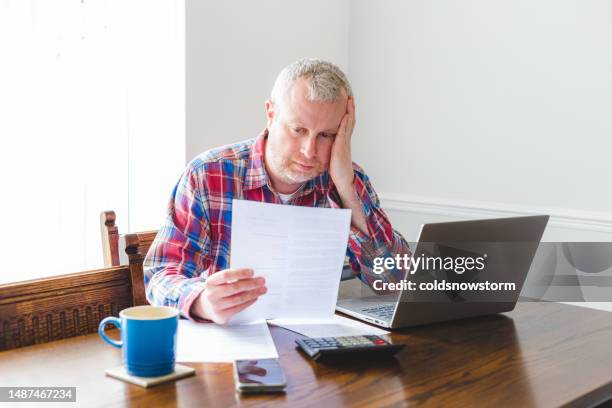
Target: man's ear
point(270, 112)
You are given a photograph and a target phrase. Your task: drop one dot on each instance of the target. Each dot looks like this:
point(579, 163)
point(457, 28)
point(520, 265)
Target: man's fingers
point(342, 128)
point(226, 314)
point(229, 275)
point(351, 113)
point(242, 297)
point(229, 289)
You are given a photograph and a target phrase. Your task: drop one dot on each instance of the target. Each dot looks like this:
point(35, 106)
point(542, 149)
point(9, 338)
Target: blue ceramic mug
point(148, 339)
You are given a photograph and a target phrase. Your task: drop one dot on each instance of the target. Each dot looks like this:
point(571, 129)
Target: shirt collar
point(256, 175)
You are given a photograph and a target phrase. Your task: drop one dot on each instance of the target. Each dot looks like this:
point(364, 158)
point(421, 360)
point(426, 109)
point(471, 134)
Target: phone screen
point(260, 372)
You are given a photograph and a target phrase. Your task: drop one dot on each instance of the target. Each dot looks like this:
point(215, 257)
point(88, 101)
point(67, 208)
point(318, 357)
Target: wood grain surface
point(541, 354)
point(62, 306)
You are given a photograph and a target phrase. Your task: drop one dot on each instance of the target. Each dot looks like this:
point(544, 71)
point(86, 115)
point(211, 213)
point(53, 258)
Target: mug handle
point(117, 323)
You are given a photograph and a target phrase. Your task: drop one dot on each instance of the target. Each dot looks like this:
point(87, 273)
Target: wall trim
point(464, 209)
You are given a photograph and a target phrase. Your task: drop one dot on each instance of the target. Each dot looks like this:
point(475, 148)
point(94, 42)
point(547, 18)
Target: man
point(303, 157)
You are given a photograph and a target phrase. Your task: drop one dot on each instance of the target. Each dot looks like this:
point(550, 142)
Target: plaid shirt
point(194, 241)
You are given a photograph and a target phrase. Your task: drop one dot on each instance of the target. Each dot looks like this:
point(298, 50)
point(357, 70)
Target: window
point(92, 119)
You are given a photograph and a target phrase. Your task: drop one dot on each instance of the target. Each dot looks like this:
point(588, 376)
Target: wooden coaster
point(180, 371)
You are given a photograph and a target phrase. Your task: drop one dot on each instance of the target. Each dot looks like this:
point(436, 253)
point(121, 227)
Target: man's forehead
point(297, 107)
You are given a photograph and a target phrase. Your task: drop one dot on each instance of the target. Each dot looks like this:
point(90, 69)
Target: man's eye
point(298, 130)
point(327, 135)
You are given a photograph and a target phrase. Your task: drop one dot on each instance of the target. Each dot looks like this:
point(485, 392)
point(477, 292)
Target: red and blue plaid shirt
point(194, 241)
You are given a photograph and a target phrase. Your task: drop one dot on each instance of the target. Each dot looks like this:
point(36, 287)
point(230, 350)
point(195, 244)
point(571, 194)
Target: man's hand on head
point(341, 167)
point(341, 163)
point(227, 293)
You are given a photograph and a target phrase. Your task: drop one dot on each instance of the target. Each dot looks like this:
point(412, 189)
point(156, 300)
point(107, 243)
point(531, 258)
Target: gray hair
point(326, 80)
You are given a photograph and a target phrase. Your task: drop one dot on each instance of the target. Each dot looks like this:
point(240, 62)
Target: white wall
point(235, 49)
point(485, 108)
point(470, 109)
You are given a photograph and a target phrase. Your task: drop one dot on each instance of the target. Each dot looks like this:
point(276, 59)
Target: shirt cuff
point(189, 295)
point(369, 247)
point(374, 222)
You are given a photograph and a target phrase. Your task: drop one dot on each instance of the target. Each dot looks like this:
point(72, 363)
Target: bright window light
point(91, 119)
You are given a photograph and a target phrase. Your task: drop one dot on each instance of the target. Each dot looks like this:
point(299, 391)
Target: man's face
point(301, 135)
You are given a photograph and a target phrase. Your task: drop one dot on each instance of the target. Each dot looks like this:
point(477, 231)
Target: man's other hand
point(228, 292)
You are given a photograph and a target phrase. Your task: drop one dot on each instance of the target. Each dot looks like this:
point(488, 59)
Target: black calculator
point(323, 348)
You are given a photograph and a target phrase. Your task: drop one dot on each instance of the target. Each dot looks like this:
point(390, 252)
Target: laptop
point(435, 289)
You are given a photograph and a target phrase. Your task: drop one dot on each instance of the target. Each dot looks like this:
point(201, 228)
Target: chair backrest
point(136, 247)
point(110, 239)
point(114, 244)
point(58, 307)
point(116, 247)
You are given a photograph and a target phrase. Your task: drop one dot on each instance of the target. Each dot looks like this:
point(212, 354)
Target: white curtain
point(91, 118)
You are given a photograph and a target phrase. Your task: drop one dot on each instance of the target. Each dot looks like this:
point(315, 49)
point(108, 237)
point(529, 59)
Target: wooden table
point(541, 354)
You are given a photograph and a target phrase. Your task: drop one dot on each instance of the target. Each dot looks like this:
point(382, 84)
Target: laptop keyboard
point(383, 311)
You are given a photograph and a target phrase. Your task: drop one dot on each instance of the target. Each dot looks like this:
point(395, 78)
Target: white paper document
point(336, 326)
point(298, 250)
point(212, 343)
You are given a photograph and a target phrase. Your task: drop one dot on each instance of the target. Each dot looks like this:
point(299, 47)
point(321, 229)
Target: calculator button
point(379, 341)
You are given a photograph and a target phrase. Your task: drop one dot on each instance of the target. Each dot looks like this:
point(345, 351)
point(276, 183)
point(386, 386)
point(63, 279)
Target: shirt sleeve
point(176, 265)
point(381, 241)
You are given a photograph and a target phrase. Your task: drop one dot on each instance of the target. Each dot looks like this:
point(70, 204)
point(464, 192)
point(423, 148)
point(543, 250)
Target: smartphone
point(259, 376)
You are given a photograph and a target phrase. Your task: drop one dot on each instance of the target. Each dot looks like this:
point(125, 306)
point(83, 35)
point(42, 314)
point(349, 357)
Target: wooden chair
point(58, 307)
point(114, 249)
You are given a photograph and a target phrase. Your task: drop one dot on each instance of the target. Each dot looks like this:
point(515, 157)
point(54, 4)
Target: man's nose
point(309, 147)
